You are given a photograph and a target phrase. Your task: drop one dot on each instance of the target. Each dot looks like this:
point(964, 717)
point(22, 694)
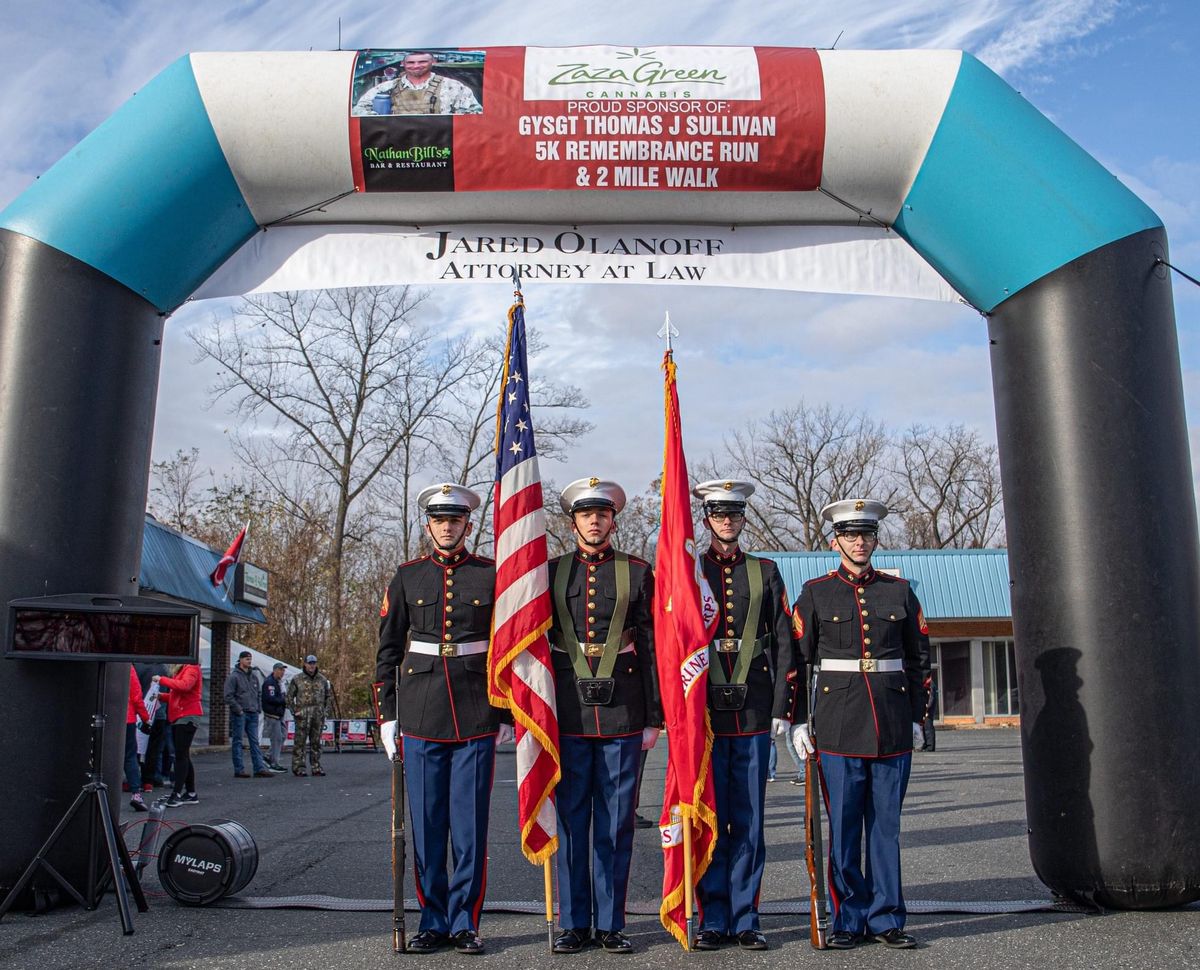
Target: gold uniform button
point(449, 609)
point(449, 596)
point(591, 606)
point(866, 640)
point(861, 590)
point(449, 572)
point(449, 582)
point(420, 602)
point(902, 690)
point(729, 632)
point(729, 606)
point(728, 570)
point(447, 638)
point(867, 654)
point(826, 690)
point(591, 569)
point(864, 612)
point(892, 617)
point(835, 619)
point(475, 602)
point(449, 623)
point(410, 670)
point(866, 626)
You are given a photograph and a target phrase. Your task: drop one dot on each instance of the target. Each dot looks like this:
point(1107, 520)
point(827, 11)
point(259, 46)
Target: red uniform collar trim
point(457, 559)
point(731, 560)
point(865, 578)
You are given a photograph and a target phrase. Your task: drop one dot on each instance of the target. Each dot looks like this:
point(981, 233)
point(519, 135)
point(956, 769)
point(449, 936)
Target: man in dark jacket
point(749, 700)
point(274, 706)
point(866, 631)
point(608, 711)
point(434, 632)
point(243, 695)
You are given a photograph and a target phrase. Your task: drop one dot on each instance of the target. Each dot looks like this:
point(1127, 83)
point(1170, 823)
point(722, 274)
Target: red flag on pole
point(520, 674)
point(232, 554)
point(684, 610)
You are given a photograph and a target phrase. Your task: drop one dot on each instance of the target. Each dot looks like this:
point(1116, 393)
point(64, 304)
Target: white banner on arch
point(820, 259)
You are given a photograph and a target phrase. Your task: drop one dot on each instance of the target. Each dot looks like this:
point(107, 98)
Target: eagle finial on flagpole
point(517, 296)
point(668, 331)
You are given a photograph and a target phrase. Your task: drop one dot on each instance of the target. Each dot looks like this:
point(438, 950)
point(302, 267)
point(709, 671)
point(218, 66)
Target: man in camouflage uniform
point(309, 696)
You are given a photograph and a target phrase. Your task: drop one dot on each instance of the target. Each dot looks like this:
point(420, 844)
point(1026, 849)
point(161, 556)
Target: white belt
point(595, 648)
point(435, 649)
point(868, 665)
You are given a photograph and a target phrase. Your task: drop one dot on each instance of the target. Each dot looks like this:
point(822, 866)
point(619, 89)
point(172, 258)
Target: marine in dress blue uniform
point(608, 711)
point(749, 699)
point(866, 631)
point(436, 621)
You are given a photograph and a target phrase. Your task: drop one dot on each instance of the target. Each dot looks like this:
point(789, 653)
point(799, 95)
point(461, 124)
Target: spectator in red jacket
point(183, 714)
point(135, 709)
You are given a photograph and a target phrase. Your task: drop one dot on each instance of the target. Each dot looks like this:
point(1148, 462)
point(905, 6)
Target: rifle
point(818, 920)
point(399, 940)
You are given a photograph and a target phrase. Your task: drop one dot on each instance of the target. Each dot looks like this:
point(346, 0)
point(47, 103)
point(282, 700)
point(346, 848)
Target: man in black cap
point(244, 699)
point(274, 706)
point(435, 626)
point(310, 696)
point(608, 712)
point(750, 700)
point(866, 631)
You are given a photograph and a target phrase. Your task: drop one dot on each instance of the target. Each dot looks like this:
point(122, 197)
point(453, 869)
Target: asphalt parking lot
point(964, 843)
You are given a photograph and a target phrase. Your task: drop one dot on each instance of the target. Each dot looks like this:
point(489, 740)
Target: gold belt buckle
point(868, 665)
point(728, 646)
point(449, 650)
point(593, 649)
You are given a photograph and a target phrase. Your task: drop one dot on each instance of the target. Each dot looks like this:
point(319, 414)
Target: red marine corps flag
point(684, 608)
point(520, 675)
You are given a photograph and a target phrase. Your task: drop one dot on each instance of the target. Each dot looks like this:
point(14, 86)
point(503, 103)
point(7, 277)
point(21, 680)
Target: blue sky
point(1118, 77)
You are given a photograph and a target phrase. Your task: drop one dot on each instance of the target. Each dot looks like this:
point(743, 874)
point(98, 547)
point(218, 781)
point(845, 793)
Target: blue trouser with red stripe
point(595, 797)
point(449, 788)
point(863, 796)
point(728, 890)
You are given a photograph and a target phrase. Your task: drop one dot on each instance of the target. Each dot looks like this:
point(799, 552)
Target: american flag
point(520, 675)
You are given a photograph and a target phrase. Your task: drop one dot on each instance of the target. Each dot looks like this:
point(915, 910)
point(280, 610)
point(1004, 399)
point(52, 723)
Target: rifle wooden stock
point(399, 862)
point(818, 923)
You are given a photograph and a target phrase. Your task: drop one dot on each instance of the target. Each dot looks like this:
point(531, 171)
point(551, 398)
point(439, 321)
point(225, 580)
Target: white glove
point(505, 733)
point(918, 736)
point(388, 735)
point(779, 726)
point(649, 738)
point(802, 740)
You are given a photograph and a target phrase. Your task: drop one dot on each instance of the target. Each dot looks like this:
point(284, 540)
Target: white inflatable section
point(881, 111)
point(282, 120)
point(863, 260)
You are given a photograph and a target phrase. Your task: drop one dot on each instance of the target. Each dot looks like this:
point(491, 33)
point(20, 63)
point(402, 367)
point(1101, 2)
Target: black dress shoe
point(641, 822)
point(427, 941)
point(614, 941)
point(751, 940)
point(571, 941)
point(841, 940)
point(466, 941)
point(896, 938)
point(708, 940)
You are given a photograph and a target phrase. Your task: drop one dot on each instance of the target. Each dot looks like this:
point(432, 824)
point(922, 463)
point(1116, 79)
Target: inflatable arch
point(930, 148)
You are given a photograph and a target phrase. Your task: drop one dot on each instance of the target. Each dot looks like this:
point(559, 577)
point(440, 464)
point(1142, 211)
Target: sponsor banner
point(599, 117)
point(821, 259)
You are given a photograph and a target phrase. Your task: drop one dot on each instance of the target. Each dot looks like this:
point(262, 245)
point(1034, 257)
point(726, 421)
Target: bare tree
point(953, 485)
point(802, 458)
point(175, 492)
point(335, 383)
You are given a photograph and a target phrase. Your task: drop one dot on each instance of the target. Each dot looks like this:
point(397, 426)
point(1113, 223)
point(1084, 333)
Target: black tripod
point(93, 799)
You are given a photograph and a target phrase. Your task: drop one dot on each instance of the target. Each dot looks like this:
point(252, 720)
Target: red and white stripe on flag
point(232, 554)
point(520, 674)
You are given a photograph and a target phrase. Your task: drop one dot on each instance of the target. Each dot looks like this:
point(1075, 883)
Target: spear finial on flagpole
point(668, 331)
point(517, 297)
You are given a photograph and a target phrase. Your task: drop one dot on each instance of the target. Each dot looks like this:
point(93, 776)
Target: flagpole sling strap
point(595, 689)
point(729, 693)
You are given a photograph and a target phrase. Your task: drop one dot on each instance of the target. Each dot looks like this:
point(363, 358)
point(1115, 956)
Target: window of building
point(955, 665)
point(999, 679)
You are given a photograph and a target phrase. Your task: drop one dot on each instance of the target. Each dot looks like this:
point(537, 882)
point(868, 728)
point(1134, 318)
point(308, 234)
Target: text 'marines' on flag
point(684, 608)
point(232, 554)
point(520, 674)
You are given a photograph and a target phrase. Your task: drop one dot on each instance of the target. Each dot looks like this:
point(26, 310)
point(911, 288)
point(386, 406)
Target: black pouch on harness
point(595, 691)
point(727, 697)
